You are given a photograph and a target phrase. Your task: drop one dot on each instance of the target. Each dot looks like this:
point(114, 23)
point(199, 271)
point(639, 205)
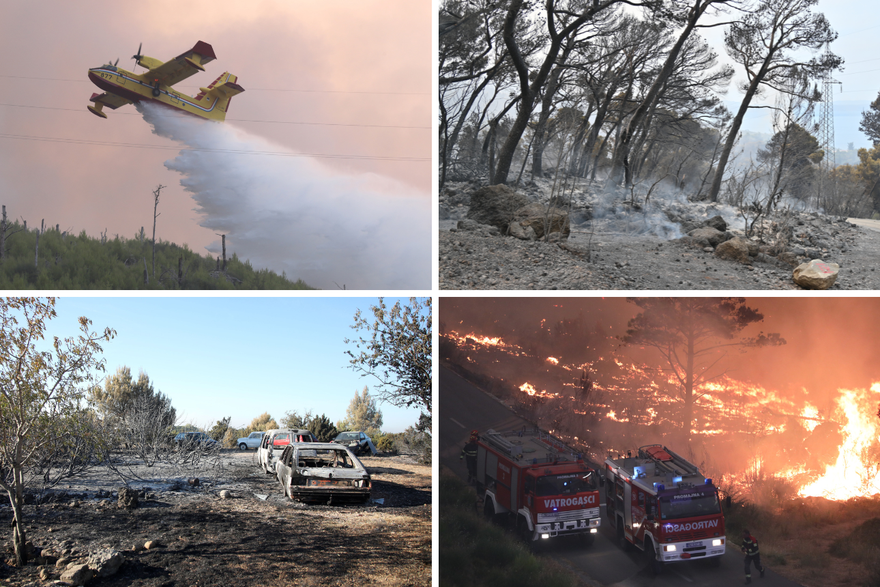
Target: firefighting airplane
point(123, 87)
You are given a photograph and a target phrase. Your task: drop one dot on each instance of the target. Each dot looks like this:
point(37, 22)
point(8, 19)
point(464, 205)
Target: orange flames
point(857, 468)
point(530, 389)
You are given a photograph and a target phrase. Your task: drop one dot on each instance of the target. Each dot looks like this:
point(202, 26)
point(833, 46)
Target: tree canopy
point(692, 335)
point(362, 414)
point(397, 353)
point(43, 385)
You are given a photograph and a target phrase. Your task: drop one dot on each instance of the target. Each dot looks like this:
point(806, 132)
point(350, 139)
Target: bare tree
point(571, 17)
point(765, 43)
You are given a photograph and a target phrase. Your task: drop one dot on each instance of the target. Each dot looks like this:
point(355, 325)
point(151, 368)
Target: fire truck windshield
point(688, 505)
point(566, 484)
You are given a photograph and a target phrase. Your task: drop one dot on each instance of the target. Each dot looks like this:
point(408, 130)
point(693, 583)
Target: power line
point(82, 110)
point(201, 150)
point(249, 89)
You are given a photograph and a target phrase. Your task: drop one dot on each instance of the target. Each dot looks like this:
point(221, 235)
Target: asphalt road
point(463, 408)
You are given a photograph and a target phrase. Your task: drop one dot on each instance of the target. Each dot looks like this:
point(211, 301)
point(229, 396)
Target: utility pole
point(155, 215)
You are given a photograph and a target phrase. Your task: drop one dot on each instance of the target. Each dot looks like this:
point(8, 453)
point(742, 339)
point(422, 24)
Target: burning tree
point(692, 335)
point(42, 386)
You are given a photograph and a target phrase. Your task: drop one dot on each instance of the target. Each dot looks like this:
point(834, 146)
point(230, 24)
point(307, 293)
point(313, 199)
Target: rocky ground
point(252, 535)
point(612, 247)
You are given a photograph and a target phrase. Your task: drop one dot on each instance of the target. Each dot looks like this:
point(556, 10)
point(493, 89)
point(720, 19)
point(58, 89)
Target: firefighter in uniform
point(469, 453)
point(750, 549)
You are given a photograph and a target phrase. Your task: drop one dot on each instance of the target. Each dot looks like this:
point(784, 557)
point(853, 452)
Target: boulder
point(77, 574)
point(105, 562)
point(495, 205)
point(707, 236)
point(539, 216)
point(519, 231)
point(225, 494)
point(816, 274)
point(718, 223)
point(128, 498)
point(736, 249)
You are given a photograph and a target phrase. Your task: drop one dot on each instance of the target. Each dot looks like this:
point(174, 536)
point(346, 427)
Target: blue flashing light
point(708, 482)
point(676, 480)
point(660, 486)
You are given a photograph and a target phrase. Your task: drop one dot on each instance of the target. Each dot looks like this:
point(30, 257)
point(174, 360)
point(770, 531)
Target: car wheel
point(242, 446)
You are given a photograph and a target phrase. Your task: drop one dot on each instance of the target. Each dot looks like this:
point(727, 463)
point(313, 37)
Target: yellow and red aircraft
point(123, 87)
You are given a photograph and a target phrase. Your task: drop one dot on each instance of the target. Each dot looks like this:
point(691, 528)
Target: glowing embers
point(857, 468)
point(530, 389)
point(552, 360)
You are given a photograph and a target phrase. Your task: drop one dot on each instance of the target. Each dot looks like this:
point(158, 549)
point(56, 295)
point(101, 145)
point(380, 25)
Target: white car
point(252, 440)
point(274, 441)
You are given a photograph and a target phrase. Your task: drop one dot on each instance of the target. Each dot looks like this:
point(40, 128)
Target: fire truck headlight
point(669, 548)
point(718, 542)
point(545, 536)
point(593, 531)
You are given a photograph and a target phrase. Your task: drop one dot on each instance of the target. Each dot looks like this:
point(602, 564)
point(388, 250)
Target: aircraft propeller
point(137, 56)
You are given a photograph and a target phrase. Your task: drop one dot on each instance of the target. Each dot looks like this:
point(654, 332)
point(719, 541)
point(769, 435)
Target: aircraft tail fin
point(222, 90)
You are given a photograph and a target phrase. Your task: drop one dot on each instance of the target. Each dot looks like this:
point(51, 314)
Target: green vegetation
point(781, 521)
point(474, 552)
point(65, 261)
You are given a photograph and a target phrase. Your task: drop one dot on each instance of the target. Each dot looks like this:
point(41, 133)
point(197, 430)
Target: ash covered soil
point(613, 247)
point(256, 536)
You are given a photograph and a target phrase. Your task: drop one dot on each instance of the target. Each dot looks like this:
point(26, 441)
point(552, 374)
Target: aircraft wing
point(184, 65)
point(111, 101)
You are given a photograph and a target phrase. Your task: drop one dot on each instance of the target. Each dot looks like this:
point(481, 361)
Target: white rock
point(816, 274)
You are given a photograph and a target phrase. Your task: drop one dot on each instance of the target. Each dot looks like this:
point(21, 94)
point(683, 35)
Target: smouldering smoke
point(294, 215)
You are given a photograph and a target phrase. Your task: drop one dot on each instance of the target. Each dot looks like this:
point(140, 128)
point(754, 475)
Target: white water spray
point(291, 213)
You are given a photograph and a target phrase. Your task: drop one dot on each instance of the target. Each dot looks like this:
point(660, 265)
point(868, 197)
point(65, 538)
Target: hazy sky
point(348, 81)
point(239, 357)
point(858, 42)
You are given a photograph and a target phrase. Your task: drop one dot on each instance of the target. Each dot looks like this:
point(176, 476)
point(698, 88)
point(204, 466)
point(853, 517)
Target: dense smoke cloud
point(293, 214)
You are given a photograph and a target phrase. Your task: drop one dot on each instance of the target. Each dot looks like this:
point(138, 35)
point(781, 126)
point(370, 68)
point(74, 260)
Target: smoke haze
point(291, 214)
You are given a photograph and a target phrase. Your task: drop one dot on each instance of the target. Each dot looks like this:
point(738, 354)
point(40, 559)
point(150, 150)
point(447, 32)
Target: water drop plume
point(296, 215)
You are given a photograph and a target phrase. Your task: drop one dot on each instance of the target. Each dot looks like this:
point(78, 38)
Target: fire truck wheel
point(655, 565)
point(621, 539)
point(489, 510)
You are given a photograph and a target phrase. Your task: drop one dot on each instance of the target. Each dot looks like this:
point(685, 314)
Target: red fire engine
point(534, 478)
point(662, 504)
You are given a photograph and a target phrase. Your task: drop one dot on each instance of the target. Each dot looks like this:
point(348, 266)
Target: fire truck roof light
point(676, 480)
point(708, 482)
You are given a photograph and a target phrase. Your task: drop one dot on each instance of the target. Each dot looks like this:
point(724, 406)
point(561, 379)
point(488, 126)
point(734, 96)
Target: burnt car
point(358, 442)
point(322, 472)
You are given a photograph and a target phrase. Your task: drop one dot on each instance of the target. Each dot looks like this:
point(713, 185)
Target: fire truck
point(662, 504)
point(539, 483)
